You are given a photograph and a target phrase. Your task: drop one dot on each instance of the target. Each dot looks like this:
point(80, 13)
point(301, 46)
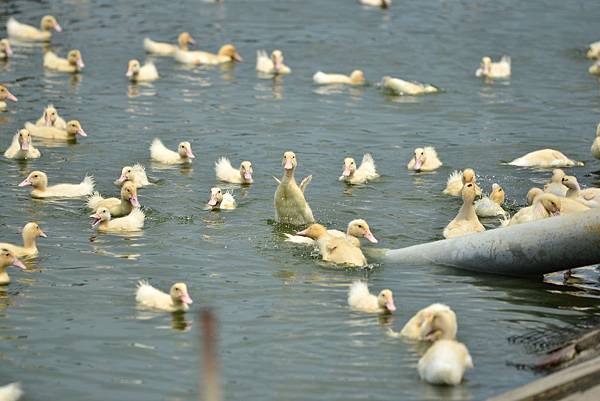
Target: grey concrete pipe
point(545, 246)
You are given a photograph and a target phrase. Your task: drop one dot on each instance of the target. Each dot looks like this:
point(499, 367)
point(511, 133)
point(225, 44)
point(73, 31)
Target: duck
point(138, 73)
point(533, 193)
point(177, 300)
point(593, 50)
point(399, 86)
point(355, 176)
point(545, 158)
point(555, 186)
point(360, 299)
point(544, 206)
point(273, 65)
point(166, 49)
point(11, 392)
point(5, 49)
point(596, 144)
point(7, 258)
point(466, 221)
point(136, 174)
point(595, 68)
point(73, 129)
point(72, 64)
point(28, 33)
point(433, 323)
point(458, 179)
point(490, 69)
point(159, 153)
point(376, 3)
point(220, 200)
point(589, 197)
point(21, 147)
point(491, 206)
point(117, 207)
point(39, 181)
point(31, 232)
point(445, 363)
point(357, 228)
point(290, 205)
point(103, 221)
point(5, 95)
point(50, 118)
point(226, 54)
point(357, 77)
point(336, 250)
point(425, 159)
point(226, 173)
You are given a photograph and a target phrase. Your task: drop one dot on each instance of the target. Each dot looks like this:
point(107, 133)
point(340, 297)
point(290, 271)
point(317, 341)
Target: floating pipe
point(529, 249)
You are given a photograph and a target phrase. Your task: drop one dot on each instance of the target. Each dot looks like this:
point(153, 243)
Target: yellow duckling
point(7, 258)
point(21, 147)
point(273, 65)
point(595, 68)
point(545, 158)
point(39, 181)
point(356, 229)
point(31, 232)
point(117, 207)
point(589, 197)
point(227, 54)
point(490, 69)
point(401, 87)
point(226, 173)
point(466, 221)
point(555, 186)
point(433, 323)
point(166, 49)
point(11, 392)
point(533, 193)
point(445, 362)
point(220, 200)
point(357, 77)
point(337, 250)
point(290, 205)
point(104, 222)
point(159, 153)
point(425, 159)
point(136, 174)
point(593, 50)
point(5, 95)
point(28, 33)
point(50, 118)
point(5, 49)
point(359, 298)
point(491, 206)
point(69, 134)
point(138, 73)
point(72, 64)
point(544, 206)
point(366, 172)
point(178, 299)
point(458, 179)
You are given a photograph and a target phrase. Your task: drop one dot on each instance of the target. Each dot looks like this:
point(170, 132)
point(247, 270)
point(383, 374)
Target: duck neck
point(29, 242)
point(573, 192)
point(467, 211)
point(288, 175)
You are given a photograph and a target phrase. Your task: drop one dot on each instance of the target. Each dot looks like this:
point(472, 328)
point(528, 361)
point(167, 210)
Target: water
point(69, 326)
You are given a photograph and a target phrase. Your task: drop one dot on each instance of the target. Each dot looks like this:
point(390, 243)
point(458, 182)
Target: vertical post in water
point(211, 389)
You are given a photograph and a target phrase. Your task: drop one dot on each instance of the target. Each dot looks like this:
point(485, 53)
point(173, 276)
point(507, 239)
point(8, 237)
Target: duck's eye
point(293, 157)
point(360, 226)
point(35, 176)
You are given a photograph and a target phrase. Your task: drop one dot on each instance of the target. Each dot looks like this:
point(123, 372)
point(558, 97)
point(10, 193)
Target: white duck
point(271, 65)
point(491, 206)
point(357, 77)
point(5, 95)
point(433, 323)
point(31, 232)
point(534, 193)
point(136, 174)
point(425, 159)
point(555, 186)
point(489, 69)
point(177, 300)
point(401, 87)
point(357, 228)
point(596, 144)
point(159, 153)
point(359, 298)
point(117, 207)
point(466, 221)
point(11, 392)
point(28, 33)
point(366, 172)
point(7, 258)
point(39, 181)
point(445, 362)
point(337, 250)
point(544, 206)
point(220, 200)
point(545, 158)
point(21, 147)
point(5, 49)
point(69, 134)
point(50, 118)
point(166, 49)
point(458, 179)
point(104, 222)
point(376, 3)
point(72, 64)
point(226, 173)
point(593, 50)
point(226, 54)
point(589, 197)
point(595, 68)
point(290, 205)
point(139, 73)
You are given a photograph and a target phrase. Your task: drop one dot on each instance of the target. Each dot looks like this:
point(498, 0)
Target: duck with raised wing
point(160, 153)
point(360, 299)
point(103, 221)
point(226, 173)
point(39, 181)
point(458, 179)
point(21, 147)
point(424, 159)
point(366, 172)
point(72, 64)
point(177, 300)
point(271, 65)
point(290, 205)
point(184, 40)
point(28, 33)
